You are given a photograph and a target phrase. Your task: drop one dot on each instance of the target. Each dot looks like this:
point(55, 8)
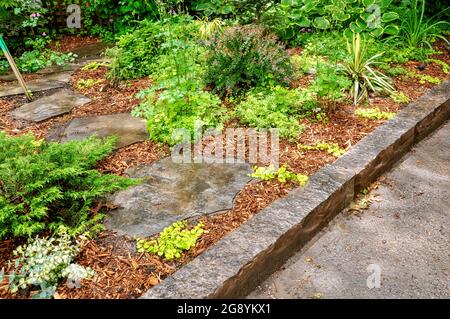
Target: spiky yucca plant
point(360, 69)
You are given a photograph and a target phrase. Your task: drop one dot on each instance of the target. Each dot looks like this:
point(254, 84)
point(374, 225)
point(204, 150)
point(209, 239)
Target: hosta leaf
point(304, 22)
point(377, 32)
point(321, 23)
point(355, 28)
point(392, 29)
point(389, 16)
point(341, 16)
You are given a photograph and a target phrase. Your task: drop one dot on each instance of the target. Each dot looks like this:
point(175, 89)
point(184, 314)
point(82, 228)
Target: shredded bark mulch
point(67, 43)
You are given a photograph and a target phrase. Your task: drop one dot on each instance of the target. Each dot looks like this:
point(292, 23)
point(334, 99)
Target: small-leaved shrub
point(244, 57)
point(172, 241)
point(45, 185)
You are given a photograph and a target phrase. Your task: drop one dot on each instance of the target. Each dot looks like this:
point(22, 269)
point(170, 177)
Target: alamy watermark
point(234, 145)
point(74, 18)
point(374, 279)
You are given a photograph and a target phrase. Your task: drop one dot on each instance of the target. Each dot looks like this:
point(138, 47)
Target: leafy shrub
point(116, 17)
point(35, 60)
point(360, 71)
point(278, 108)
point(244, 11)
point(46, 185)
point(43, 262)
point(175, 109)
point(172, 241)
point(282, 174)
point(177, 100)
point(215, 7)
point(244, 57)
point(135, 53)
point(374, 114)
point(327, 44)
point(17, 16)
point(251, 10)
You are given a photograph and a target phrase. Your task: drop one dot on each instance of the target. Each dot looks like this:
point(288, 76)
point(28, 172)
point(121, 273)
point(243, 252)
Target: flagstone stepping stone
point(58, 68)
point(127, 128)
point(9, 77)
point(50, 106)
point(175, 191)
point(90, 50)
point(52, 81)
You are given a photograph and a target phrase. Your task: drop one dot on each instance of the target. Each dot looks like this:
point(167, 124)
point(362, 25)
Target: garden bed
point(123, 272)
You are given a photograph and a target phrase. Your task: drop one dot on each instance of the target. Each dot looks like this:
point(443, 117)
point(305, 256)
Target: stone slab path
point(90, 50)
point(127, 128)
point(50, 106)
point(405, 236)
point(175, 191)
point(37, 85)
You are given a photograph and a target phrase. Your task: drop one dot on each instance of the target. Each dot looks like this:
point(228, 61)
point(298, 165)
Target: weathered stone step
point(52, 81)
point(175, 191)
point(127, 128)
point(50, 106)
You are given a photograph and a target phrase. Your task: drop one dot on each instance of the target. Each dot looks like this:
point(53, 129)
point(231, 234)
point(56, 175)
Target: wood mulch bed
point(124, 273)
point(67, 43)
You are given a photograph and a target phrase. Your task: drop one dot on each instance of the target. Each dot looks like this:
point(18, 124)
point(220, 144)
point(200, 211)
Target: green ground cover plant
point(282, 174)
point(374, 114)
point(172, 241)
point(331, 148)
point(276, 107)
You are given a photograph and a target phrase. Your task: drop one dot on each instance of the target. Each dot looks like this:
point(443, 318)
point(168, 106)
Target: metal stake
point(15, 69)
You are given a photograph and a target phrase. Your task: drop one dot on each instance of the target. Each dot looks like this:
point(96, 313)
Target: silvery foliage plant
point(43, 262)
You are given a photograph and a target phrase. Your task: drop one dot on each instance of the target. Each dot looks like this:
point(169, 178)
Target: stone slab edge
point(243, 259)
